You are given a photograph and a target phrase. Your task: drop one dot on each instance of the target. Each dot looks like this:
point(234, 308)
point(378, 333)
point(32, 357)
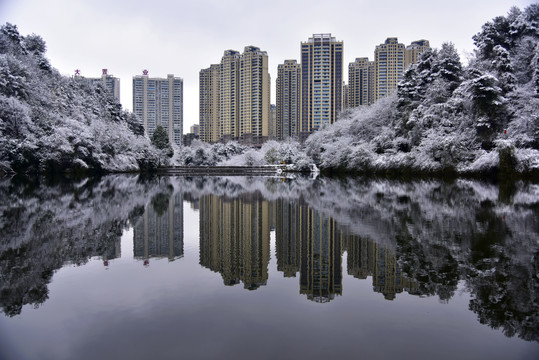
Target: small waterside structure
point(267, 170)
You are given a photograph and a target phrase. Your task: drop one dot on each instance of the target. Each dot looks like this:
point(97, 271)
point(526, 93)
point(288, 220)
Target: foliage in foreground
point(445, 117)
point(49, 122)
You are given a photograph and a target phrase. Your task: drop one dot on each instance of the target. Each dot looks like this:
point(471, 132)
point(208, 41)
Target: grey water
point(127, 267)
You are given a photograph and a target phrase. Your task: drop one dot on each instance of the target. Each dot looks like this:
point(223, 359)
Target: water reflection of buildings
point(367, 258)
point(235, 237)
point(159, 233)
point(112, 251)
point(320, 270)
point(308, 242)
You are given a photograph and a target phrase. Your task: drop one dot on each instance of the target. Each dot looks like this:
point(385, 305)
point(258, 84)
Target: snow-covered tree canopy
point(446, 117)
point(49, 122)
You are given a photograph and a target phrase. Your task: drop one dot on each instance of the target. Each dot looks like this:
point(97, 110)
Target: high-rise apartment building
point(159, 101)
point(111, 83)
point(321, 82)
point(369, 81)
point(288, 106)
point(360, 82)
point(254, 91)
point(209, 82)
point(389, 66)
point(237, 106)
point(229, 78)
point(416, 48)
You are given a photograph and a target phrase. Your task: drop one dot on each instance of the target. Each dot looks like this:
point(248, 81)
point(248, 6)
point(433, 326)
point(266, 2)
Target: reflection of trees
point(486, 236)
point(422, 237)
point(506, 294)
point(44, 227)
point(160, 203)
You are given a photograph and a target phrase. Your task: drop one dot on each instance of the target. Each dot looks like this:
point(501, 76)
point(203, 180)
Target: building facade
point(109, 82)
point(416, 48)
point(288, 104)
point(360, 82)
point(254, 96)
point(389, 66)
point(159, 101)
point(209, 81)
point(229, 77)
point(321, 82)
point(273, 123)
point(237, 106)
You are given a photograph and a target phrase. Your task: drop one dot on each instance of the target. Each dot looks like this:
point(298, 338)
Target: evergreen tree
point(160, 138)
point(160, 141)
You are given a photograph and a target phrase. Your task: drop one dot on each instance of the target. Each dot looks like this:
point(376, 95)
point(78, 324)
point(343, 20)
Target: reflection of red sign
point(105, 71)
point(144, 72)
point(77, 72)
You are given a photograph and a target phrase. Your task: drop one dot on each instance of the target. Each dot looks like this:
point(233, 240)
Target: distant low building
point(195, 129)
point(188, 138)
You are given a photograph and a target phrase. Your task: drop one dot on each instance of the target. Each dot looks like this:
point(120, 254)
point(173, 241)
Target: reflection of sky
point(181, 310)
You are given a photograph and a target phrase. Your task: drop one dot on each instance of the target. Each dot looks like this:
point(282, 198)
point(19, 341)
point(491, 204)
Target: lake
point(131, 267)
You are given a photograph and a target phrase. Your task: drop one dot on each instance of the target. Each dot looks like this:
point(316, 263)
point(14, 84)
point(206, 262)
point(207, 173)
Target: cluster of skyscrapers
point(369, 81)
point(234, 95)
point(235, 98)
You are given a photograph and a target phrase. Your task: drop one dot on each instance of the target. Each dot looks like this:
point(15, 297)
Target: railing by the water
point(224, 170)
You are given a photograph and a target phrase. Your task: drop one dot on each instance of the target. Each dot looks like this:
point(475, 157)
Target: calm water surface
point(265, 268)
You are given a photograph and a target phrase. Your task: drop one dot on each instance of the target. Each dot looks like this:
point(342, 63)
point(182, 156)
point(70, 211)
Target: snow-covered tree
point(49, 122)
point(447, 117)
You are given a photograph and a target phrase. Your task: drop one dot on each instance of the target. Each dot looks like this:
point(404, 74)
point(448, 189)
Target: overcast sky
point(183, 37)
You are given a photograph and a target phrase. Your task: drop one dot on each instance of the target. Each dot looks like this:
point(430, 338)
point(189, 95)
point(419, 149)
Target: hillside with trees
point(449, 118)
point(50, 123)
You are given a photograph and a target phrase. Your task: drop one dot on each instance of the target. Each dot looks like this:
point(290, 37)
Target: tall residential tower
point(254, 116)
point(229, 78)
point(158, 101)
point(361, 82)
point(288, 105)
point(389, 66)
point(321, 83)
point(209, 104)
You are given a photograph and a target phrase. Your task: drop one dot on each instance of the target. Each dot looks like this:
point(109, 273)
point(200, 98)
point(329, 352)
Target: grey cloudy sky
point(182, 37)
